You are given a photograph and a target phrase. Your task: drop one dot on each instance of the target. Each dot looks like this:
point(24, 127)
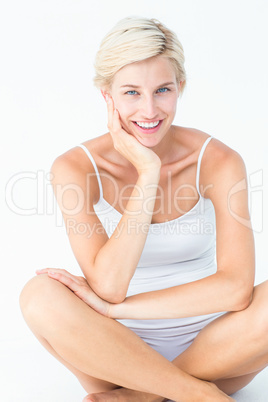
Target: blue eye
point(162, 90)
point(131, 92)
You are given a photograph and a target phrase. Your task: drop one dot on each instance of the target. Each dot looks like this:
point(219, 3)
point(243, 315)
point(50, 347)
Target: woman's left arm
point(224, 178)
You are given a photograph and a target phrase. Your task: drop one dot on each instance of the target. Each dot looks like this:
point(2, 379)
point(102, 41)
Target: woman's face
point(145, 94)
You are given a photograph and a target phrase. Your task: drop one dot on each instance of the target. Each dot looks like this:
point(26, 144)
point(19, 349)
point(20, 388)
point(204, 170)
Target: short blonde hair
point(135, 39)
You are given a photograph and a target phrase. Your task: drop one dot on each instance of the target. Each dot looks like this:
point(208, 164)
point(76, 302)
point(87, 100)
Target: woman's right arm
point(108, 264)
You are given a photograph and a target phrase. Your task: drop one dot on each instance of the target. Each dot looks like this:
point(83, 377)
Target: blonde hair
point(135, 39)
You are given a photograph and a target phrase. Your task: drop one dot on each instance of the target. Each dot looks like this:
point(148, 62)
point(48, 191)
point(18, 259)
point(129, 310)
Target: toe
point(88, 399)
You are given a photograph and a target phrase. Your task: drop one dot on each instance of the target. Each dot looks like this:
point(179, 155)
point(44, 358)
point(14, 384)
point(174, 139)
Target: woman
point(166, 307)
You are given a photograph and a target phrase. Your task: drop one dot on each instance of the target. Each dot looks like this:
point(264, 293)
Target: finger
point(110, 108)
point(71, 282)
point(42, 271)
point(53, 272)
point(116, 122)
point(46, 270)
point(65, 280)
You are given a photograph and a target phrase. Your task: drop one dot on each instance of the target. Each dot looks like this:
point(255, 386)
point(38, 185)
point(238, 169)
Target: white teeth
point(148, 125)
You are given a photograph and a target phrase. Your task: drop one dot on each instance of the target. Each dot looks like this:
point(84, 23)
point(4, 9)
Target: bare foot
point(123, 395)
point(128, 395)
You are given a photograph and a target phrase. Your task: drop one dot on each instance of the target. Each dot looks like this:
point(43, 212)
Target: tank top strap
point(95, 167)
point(199, 162)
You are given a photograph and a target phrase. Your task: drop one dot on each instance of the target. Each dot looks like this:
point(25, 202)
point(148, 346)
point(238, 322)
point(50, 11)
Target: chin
point(148, 142)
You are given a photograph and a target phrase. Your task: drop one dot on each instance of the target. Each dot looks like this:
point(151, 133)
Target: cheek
point(125, 109)
point(171, 106)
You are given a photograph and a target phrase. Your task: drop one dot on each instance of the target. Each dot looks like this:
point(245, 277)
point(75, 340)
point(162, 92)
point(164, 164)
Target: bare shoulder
point(221, 166)
point(76, 160)
point(221, 169)
point(220, 158)
point(74, 167)
point(195, 139)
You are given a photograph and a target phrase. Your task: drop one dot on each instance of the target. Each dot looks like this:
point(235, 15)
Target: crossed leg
point(95, 346)
point(108, 356)
point(233, 349)
point(229, 351)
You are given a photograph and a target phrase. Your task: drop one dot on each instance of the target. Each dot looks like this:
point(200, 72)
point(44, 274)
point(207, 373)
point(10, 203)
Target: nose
point(149, 107)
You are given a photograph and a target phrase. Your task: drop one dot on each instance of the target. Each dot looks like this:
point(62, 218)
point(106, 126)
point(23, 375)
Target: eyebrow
point(137, 86)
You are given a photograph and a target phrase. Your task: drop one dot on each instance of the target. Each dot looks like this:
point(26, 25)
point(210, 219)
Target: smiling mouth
point(147, 126)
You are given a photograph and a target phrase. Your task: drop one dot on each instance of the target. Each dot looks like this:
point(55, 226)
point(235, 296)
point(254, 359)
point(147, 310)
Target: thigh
point(231, 385)
point(96, 345)
point(89, 383)
point(232, 345)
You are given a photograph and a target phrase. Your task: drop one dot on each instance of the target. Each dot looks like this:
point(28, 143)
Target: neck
point(165, 149)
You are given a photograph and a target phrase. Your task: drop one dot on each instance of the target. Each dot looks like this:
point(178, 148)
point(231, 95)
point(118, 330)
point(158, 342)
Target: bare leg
point(231, 350)
point(90, 384)
point(233, 346)
point(103, 348)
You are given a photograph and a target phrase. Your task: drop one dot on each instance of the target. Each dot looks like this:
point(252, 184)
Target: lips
point(147, 125)
point(148, 129)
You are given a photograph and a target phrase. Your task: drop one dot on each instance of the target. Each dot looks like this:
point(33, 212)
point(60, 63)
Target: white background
point(48, 104)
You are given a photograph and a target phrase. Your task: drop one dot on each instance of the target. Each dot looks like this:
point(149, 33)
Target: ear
point(105, 94)
point(179, 88)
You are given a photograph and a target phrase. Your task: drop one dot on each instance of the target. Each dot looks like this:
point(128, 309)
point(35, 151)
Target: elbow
point(243, 297)
point(113, 297)
point(236, 291)
point(241, 304)
point(108, 291)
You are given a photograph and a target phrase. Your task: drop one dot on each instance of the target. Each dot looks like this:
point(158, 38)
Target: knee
point(36, 294)
point(260, 310)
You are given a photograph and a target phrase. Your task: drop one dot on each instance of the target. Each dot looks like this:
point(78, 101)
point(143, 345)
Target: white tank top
point(178, 251)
